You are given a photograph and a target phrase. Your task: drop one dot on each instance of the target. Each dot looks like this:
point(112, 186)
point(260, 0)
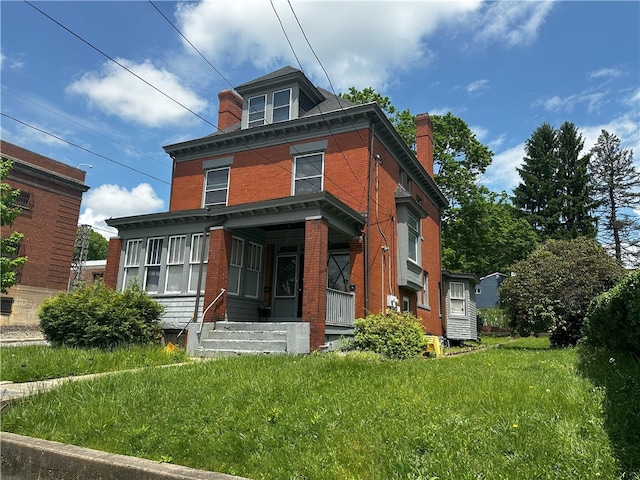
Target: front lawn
point(39, 362)
point(501, 413)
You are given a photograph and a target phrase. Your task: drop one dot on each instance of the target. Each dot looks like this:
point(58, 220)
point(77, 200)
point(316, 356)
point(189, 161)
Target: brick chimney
point(230, 110)
point(424, 141)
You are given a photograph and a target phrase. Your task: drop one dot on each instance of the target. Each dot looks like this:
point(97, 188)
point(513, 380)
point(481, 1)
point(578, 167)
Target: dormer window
point(257, 110)
point(282, 105)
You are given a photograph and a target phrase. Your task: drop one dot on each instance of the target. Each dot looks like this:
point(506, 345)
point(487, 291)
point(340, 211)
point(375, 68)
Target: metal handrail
point(222, 290)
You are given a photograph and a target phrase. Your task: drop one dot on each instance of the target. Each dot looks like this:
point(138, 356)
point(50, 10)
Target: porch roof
point(256, 214)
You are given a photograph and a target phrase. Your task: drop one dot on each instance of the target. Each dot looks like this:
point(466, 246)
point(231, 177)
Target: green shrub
point(392, 335)
point(613, 318)
point(550, 291)
point(97, 316)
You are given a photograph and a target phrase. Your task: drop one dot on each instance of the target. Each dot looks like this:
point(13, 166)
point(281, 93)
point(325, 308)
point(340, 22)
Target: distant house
point(303, 212)
point(487, 290)
point(50, 197)
point(462, 312)
point(92, 272)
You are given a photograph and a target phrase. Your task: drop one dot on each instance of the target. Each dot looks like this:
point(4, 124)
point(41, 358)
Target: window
point(282, 105)
point(338, 271)
point(254, 267)
point(194, 261)
point(23, 201)
point(425, 290)
point(216, 187)
point(457, 298)
point(413, 237)
point(307, 173)
point(257, 106)
point(152, 264)
point(6, 305)
point(478, 291)
point(131, 262)
point(405, 304)
point(175, 263)
point(235, 267)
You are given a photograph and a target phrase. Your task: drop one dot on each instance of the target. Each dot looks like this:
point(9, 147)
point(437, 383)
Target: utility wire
point(83, 148)
point(120, 64)
point(131, 149)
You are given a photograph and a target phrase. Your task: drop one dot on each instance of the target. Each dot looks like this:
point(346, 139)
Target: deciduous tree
point(9, 245)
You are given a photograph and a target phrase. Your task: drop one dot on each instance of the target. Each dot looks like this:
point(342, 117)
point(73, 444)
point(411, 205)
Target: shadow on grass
point(527, 343)
point(618, 375)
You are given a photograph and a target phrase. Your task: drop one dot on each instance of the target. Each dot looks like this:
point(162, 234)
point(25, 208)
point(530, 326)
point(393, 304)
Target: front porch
point(269, 335)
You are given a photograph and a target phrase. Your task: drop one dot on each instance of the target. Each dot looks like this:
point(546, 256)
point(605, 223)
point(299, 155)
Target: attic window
point(282, 105)
point(257, 110)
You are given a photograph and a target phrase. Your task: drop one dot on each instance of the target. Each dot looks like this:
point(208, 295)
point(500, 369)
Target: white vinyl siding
point(152, 265)
point(235, 267)
point(216, 187)
point(308, 173)
point(175, 263)
point(131, 262)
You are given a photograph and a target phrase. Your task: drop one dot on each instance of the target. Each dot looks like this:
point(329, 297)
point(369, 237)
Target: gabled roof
point(495, 274)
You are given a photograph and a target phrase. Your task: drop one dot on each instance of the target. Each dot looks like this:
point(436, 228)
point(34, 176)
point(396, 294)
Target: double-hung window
point(413, 236)
point(152, 265)
point(457, 298)
point(254, 267)
point(425, 289)
point(235, 267)
point(175, 263)
point(216, 187)
point(308, 173)
point(282, 105)
point(257, 109)
point(194, 261)
point(131, 262)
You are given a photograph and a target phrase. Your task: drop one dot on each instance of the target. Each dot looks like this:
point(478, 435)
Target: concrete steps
point(242, 338)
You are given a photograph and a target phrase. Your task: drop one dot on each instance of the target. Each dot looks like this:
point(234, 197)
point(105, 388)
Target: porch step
point(240, 338)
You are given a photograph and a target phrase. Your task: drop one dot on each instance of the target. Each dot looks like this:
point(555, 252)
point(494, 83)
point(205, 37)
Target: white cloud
point(107, 201)
point(120, 93)
point(606, 73)
point(568, 103)
point(502, 173)
point(515, 23)
point(359, 43)
point(478, 87)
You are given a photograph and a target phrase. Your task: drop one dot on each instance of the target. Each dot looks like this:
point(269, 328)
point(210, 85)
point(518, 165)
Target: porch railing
point(341, 308)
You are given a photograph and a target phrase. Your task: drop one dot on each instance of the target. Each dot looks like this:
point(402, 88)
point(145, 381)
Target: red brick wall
point(50, 225)
point(217, 273)
point(113, 262)
point(315, 279)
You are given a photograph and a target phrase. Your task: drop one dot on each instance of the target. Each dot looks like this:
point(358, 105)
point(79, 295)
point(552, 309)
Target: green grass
point(520, 411)
point(39, 362)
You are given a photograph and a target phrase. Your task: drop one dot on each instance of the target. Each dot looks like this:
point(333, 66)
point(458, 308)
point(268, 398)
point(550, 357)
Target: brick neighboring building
point(306, 203)
point(50, 197)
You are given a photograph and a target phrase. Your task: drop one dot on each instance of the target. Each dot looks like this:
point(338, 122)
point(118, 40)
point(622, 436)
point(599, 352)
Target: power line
point(83, 148)
point(120, 64)
point(128, 147)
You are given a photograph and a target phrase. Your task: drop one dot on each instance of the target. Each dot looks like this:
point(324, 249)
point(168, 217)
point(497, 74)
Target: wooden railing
point(341, 308)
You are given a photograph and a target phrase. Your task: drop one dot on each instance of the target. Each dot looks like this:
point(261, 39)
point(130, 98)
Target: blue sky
point(504, 67)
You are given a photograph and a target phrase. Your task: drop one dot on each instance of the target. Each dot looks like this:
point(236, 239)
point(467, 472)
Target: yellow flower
point(515, 425)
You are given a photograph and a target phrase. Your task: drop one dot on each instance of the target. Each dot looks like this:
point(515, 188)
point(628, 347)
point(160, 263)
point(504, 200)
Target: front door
point(287, 296)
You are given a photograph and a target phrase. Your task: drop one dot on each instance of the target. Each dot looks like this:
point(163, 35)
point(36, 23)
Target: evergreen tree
point(616, 184)
point(538, 192)
point(577, 204)
point(555, 193)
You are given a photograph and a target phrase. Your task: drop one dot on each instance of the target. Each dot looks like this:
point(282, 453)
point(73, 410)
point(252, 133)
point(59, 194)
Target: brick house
point(50, 197)
point(303, 211)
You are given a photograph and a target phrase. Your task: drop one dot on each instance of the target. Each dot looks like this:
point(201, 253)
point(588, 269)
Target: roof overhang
point(339, 216)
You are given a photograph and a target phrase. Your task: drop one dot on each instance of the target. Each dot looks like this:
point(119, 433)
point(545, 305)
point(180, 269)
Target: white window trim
point(425, 290)
point(254, 265)
point(133, 249)
point(295, 167)
point(154, 262)
point(274, 108)
point(207, 190)
point(456, 297)
point(410, 233)
point(256, 123)
point(232, 264)
point(194, 259)
point(175, 258)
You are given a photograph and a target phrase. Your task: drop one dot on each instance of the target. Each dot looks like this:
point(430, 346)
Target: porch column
point(217, 273)
point(314, 305)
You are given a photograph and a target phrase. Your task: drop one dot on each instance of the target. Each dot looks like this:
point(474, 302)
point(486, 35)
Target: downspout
point(367, 243)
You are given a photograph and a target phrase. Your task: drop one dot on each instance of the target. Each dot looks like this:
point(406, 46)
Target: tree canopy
point(98, 246)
